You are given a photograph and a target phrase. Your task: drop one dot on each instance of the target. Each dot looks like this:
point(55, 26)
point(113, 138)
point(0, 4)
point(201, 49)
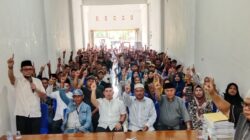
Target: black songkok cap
point(26, 63)
point(168, 85)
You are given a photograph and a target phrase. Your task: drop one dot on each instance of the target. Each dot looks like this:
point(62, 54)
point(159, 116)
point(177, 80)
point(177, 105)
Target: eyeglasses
point(27, 69)
point(246, 105)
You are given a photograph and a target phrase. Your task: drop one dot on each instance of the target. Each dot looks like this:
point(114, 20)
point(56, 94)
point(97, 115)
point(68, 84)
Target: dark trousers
point(164, 127)
point(28, 125)
point(56, 127)
point(100, 129)
point(95, 119)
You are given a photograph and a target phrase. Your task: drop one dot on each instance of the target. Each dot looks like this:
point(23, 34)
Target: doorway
point(114, 38)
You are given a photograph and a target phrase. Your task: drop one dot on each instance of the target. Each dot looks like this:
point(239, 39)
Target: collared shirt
point(110, 112)
point(27, 102)
point(60, 105)
point(73, 120)
point(83, 116)
point(171, 112)
point(141, 112)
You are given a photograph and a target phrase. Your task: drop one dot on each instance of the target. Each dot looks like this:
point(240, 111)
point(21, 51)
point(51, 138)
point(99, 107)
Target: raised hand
point(156, 78)
point(210, 86)
point(85, 73)
point(42, 68)
point(48, 64)
point(157, 86)
point(188, 70)
point(93, 86)
point(193, 69)
point(59, 60)
point(10, 62)
point(63, 78)
point(64, 52)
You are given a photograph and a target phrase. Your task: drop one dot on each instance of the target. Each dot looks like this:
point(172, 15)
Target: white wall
point(214, 35)
point(22, 32)
point(155, 39)
point(153, 7)
point(77, 22)
point(114, 10)
point(180, 29)
point(112, 2)
point(106, 14)
point(85, 11)
point(57, 29)
point(31, 29)
point(144, 24)
point(222, 41)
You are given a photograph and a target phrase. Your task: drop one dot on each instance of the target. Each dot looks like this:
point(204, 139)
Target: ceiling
point(112, 2)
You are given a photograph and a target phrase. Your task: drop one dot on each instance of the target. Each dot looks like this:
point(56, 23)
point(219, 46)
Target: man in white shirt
point(62, 96)
point(112, 111)
point(28, 91)
point(142, 113)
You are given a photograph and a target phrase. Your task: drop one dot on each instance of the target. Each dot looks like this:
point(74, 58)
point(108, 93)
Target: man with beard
point(142, 114)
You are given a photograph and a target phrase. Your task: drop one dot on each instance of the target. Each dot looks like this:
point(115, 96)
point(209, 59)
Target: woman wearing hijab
point(198, 106)
point(179, 84)
point(232, 95)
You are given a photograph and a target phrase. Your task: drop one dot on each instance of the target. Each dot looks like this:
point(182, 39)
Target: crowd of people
point(157, 93)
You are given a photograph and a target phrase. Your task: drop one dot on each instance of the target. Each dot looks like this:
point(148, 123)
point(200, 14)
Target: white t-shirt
point(60, 104)
point(73, 120)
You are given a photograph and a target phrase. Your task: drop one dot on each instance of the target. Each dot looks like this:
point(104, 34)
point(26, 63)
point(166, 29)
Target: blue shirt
point(84, 114)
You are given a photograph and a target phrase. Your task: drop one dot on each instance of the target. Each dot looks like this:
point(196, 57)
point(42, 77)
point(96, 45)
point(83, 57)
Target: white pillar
point(155, 24)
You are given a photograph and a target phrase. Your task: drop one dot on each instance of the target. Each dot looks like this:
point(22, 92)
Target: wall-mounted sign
point(114, 18)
